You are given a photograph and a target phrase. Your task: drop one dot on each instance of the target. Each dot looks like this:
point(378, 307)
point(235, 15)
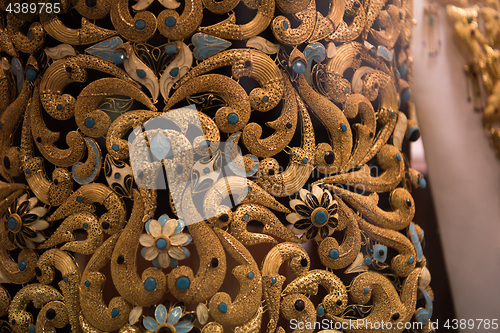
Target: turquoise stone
point(366, 290)
point(170, 21)
point(422, 183)
point(183, 283)
point(285, 25)
point(343, 127)
point(232, 118)
point(32, 329)
point(87, 283)
point(299, 67)
point(89, 122)
point(115, 312)
point(368, 260)
point(22, 265)
point(66, 280)
point(380, 252)
point(206, 170)
point(411, 260)
point(12, 223)
point(31, 74)
point(274, 280)
point(79, 199)
point(174, 71)
point(414, 133)
point(250, 275)
point(393, 114)
point(406, 95)
point(171, 49)
point(398, 157)
point(28, 171)
point(115, 147)
point(150, 284)
point(333, 254)
point(141, 73)
point(265, 99)
point(403, 69)
point(140, 24)
point(223, 307)
point(205, 144)
point(59, 107)
point(305, 160)
point(117, 175)
point(161, 243)
point(347, 90)
point(118, 57)
point(246, 217)
point(30, 34)
point(85, 226)
point(321, 311)
point(321, 217)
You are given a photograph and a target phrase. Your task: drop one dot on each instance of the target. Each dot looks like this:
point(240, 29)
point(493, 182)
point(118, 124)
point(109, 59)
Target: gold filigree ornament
point(142, 147)
point(483, 72)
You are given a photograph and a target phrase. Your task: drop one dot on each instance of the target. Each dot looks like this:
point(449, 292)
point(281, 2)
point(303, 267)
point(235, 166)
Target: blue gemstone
point(320, 217)
point(299, 67)
point(30, 34)
point(32, 329)
point(411, 260)
point(28, 171)
point(206, 170)
point(174, 71)
point(343, 127)
point(223, 307)
point(320, 311)
point(333, 254)
point(265, 99)
point(89, 122)
point(285, 25)
point(250, 275)
point(150, 284)
point(87, 283)
point(79, 199)
point(205, 144)
point(305, 160)
point(183, 283)
point(232, 118)
point(393, 114)
point(274, 280)
point(117, 175)
point(12, 223)
point(140, 24)
point(118, 57)
point(366, 290)
point(115, 312)
point(161, 243)
point(140, 73)
point(22, 265)
point(85, 226)
point(59, 107)
point(31, 74)
point(368, 260)
point(170, 21)
point(171, 49)
point(398, 157)
point(66, 280)
point(347, 90)
point(422, 183)
point(115, 147)
point(246, 217)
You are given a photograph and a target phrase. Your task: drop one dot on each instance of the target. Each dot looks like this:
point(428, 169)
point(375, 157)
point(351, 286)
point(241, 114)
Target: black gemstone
point(188, 317)
point(38, 271)
point(179, 168)
point(395, 316)
point(151, 311)
point(6, 162)
point(224, 217)
point(69, 69)
point(339, 302)
point(56, 182)
point(164, 330)
point(271, 172)
point(357, 4)
point(38, 139)
point(371, 134)
point(329, 157)
point(300, 305)
point(105, 225)
point(120, 260)
point(248, 63)
point(408, 202)
point(214, 262)
point(50, 314)
point(13, 321)
point(91, 3)
point(303, 262)
point(381, 253)
point(289, 125)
